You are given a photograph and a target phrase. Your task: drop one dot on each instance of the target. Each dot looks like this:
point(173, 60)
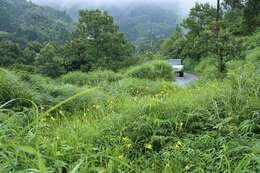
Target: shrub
point(146, 57)
point(252, 41)
point(11, 87)
point(49, 62)
point(139, 87)
point(208, 67)
point(153, 70)
point(254, 56)
point(47, 92)
point(91, 78)
point(189, 64)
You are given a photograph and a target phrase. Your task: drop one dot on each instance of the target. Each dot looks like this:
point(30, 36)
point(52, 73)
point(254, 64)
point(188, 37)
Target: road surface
point(188, 78)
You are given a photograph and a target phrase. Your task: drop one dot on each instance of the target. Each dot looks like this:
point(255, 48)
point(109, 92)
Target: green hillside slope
point(24, 21)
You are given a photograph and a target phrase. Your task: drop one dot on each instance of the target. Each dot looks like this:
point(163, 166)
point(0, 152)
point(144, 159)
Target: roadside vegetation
point(78, 107)
point(117, 124)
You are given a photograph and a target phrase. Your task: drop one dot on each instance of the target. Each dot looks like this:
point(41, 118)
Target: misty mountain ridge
point(144, 23)
point(23, 21)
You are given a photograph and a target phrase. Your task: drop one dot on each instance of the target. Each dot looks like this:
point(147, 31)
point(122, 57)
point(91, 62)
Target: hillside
point(144, 23)
point(24, 21)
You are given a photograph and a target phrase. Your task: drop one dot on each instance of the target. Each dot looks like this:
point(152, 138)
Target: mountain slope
point(144, 22)
point(24, 21)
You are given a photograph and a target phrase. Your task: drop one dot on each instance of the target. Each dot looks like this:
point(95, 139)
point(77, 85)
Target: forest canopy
point(23, 21)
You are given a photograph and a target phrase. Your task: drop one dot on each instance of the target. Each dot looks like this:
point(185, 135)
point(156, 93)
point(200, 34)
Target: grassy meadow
point(135, 120)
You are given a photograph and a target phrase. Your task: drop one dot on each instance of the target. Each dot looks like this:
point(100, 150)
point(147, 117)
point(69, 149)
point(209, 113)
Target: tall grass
point(91, 79)
point(134, 125)
point(12, 88)
point(153, 70)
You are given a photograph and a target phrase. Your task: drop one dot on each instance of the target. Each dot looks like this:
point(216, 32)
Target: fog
point(184, 5)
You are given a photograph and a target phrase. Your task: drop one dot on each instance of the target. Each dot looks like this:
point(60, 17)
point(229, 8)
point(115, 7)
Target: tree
point(23, 21)
point(235, 4)
point(30, 53)
point(249, 10)
point(10, 53)
point(173, 46)
point(97, 43)
point(252, 15)
point(197, 42)
point(207, 35)
point(49, 62)
point(218, 51)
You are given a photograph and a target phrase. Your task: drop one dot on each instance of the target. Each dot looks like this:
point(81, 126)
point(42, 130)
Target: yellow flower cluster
point(121, 157)
point(127, 142)
point(126, 139)
point(148, 146)
point(178, 145)
point(129, 146)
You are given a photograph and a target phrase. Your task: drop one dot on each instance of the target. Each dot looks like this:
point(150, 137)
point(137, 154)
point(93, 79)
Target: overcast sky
point(68, 3)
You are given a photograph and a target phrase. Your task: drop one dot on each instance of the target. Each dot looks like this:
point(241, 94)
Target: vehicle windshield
point(175, 61)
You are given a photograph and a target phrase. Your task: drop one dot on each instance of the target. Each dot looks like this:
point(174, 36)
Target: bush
point(138, 87)
point(49, 62)
point(153, 70)
point(254, 56)
point(252, 41)
point(47, 92)
point(208, 67)
point(189, 64)
point(146, 57)
point(91, 78)
point(11, 87)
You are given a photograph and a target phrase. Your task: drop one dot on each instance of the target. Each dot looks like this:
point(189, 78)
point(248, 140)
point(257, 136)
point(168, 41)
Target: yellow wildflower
point(125, 139)
point(148, 146)
point(129, 146)
point(187, 168)
point(52, 118)
point(178, 145)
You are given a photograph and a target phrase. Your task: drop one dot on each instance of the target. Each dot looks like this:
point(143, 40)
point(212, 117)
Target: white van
point(177, 66)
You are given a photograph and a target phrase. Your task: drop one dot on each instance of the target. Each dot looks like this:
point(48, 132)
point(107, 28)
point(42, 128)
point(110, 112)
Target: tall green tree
point(49, 62)
point(10, 53)
point(97, 43)
point(31, 52)
point(174, 45)
point(207, 35)
point(23, 21)
point(252, 15)
point(248, 11)
point(197, 42)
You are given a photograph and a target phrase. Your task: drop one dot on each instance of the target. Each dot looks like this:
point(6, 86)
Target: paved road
point(188, 78)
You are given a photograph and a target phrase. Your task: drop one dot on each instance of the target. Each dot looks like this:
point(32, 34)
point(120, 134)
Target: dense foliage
point(49, 61)
point(134, 118)
point(97, 43)
point(24, 21)
point(208, 37)
point(153, 70)
point(144, 23)
point(92, 78)
point(114, 125)
point(10, 53)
